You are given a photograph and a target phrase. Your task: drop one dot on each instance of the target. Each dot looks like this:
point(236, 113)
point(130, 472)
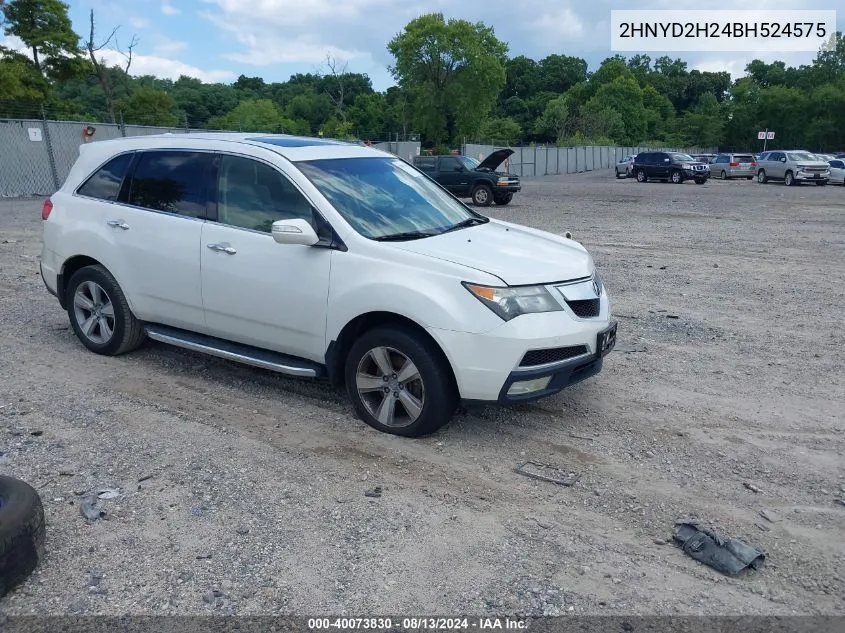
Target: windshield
point(684, 158)
point(796, 156)
point(469, 163)
point(383, 197)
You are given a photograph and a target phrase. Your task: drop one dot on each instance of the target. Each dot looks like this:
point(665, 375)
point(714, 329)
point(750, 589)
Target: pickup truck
point(466, 177)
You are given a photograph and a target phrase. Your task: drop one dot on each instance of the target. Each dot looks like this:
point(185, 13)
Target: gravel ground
point(245, 492)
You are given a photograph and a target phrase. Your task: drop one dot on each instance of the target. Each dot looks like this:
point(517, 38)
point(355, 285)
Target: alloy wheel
point(390, 386)
point(94, 312)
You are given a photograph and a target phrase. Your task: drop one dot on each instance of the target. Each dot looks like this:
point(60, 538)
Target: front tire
point(821, 183)
point(789, 179)
point(618, 175)
point(482, 196)
point(503, 200)
point(399, 383)
point(700, 181)
point(99, 313)
point(676, 178)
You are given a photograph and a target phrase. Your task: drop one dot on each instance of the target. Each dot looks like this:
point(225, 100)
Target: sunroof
point(293, 141)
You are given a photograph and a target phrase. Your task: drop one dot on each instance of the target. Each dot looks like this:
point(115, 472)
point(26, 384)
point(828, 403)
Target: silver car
point(624, 167)
point(727, 166)
point(837, 171)
point(792, 167)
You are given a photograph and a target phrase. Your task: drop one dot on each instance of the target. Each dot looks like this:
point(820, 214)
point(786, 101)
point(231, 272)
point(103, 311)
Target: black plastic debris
point(726, 555)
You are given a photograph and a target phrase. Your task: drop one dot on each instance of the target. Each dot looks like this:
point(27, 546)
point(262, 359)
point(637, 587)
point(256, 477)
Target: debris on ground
point(724, 554)
point(769, 515)
point(91, 509)
point(374, 493)
point(108, 493)
point(544, 472)
point(751, 486)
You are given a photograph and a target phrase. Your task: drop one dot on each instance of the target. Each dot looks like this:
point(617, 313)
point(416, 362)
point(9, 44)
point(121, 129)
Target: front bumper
point(487, 364)
point(812, 176)
point(691, 174)
point(511, 188)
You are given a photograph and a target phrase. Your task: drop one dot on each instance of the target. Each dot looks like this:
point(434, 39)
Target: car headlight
point(508, 303)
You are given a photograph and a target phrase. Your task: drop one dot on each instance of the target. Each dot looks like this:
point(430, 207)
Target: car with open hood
point(325, 260)
point(466, 177)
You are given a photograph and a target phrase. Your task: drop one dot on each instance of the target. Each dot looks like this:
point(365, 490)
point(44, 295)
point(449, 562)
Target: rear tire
point(618, 175)
point(99, 313)
point(641, 177)
point(723, 175)
point(482, 196)
point(417, 405)
point(21, 532)
point(762, 178)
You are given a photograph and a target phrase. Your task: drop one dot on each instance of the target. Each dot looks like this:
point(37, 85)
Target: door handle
point(223, 247)
point(118, 224)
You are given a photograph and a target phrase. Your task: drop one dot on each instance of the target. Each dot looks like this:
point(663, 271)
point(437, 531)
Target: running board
point(245, 354)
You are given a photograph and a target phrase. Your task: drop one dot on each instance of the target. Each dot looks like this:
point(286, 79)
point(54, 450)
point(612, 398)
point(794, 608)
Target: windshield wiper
point(473, 221)
point(401, 237)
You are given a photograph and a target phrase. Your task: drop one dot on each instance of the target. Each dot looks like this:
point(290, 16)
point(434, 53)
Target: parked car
point(792, 167)
point(466, 177)
point(625, 167)
point(670, 166)
point(726, 166)
point(837, 171)
point(320, 259)
point(838, 156)
point(704, 158)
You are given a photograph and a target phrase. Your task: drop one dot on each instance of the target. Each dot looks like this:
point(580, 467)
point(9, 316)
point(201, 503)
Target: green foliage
point(148, 106)
point(452, 72)
point(501, 131)
point(455, 82)
point(44, 26)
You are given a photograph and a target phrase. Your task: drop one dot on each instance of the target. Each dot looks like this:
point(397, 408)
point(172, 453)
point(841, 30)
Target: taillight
point(734, 164)
point(753, 164)
point(45, 210)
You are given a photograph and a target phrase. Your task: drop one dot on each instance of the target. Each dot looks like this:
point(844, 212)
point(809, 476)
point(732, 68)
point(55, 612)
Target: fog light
point(529, 386)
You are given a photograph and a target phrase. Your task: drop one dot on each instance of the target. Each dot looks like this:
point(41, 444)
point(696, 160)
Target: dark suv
point(466, 177)
point(671, 167)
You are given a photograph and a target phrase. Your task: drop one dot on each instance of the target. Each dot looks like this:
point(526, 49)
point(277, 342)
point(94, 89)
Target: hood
point(492, 162)
point(515, 254)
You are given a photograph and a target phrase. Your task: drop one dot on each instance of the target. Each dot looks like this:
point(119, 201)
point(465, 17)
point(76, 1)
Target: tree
point(148, 106)
point(452, 71)
point(101, 69)
point(560, 72)
point(624, 97)
point(556, 118)
point(22, 87)
point(45, 28)
point(500, 131)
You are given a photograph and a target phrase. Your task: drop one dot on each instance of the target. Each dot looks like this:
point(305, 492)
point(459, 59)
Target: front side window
point(252, 195)
point(469, 162)
point(383, 198)
point(682, 158)
point(171, 181)
point(104, 184)
point(450, 163)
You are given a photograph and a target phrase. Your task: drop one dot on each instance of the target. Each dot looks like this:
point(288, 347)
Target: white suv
point(320, 259)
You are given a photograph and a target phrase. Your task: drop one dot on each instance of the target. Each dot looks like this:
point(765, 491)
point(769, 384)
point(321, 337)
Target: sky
point(218, 40)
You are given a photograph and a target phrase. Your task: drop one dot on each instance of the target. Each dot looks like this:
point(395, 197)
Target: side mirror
point(296, 231)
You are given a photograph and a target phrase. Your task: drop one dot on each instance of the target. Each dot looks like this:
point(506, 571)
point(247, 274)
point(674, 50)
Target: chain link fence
point(36, 155)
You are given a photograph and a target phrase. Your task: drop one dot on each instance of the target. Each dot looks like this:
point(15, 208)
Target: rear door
point(661, 165)
point(155, 235)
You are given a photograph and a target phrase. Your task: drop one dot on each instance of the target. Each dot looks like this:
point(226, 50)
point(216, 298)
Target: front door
point(256, 291)
point(454, 175)
point(661, 165)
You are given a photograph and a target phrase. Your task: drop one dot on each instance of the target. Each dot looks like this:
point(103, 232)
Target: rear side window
point(171, 181)
point(104, 184)
point(450, 163)
point(744, 158)
point(837, 163)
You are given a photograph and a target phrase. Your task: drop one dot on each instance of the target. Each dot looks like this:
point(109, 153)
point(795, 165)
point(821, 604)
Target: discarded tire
point(21, 532)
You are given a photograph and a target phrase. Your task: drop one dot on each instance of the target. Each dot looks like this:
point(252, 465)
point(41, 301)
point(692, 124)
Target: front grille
point(585, 308)
point(551, 355)
point(699, 167)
